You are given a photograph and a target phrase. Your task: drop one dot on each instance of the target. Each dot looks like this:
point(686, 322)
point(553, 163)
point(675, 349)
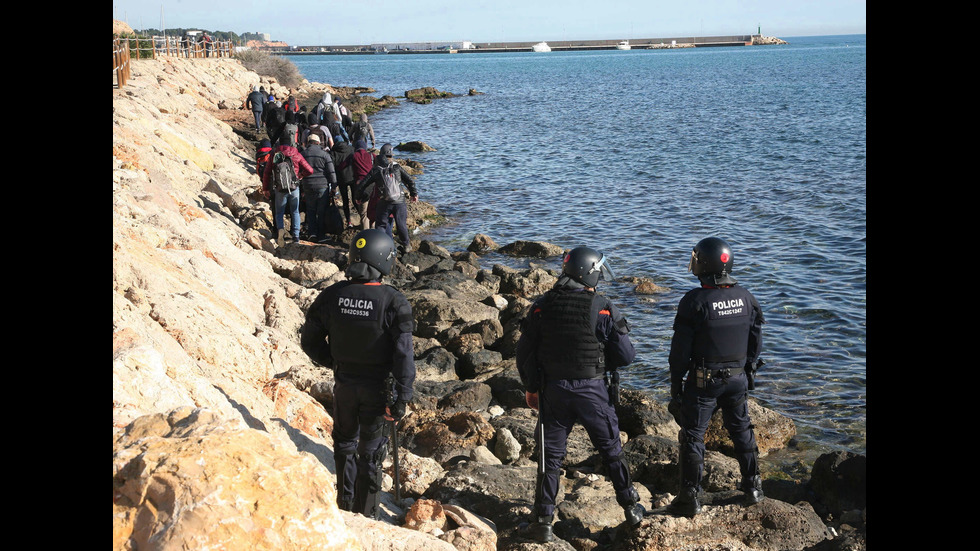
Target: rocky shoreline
point(221, 425)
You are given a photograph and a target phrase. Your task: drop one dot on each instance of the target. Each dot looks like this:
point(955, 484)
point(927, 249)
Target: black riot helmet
point(374, 248)
point(585, 265)
point(712, 261)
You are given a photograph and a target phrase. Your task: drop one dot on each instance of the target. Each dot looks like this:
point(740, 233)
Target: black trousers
point(359, 440)
point(584, 401)
point(699, 404)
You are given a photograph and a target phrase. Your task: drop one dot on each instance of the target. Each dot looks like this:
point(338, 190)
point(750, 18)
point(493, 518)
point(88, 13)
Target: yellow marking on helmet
point(360, 243)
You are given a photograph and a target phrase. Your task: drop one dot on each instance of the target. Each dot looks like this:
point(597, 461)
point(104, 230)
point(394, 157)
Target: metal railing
point(156, 46)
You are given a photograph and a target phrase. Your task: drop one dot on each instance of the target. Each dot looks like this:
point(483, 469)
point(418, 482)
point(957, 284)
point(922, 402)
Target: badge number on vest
point(357, 308)
point(727, 308)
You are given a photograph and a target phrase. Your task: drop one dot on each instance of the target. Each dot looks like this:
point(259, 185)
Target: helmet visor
point(694, 259)
point(603, 268)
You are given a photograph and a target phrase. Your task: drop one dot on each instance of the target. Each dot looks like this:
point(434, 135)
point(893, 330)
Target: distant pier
point(556, 46)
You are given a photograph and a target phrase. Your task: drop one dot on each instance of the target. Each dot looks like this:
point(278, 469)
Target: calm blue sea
point(642, 153)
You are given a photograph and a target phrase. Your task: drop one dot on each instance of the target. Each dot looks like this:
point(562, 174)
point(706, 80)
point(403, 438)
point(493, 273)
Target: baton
point(394, 439)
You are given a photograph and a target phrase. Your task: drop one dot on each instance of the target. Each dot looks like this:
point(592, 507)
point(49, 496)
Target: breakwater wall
point(556, 45)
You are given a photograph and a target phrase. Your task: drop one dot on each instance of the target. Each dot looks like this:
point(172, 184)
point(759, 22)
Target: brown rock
point(772, 430)
point(426, 515)
point(191, 480)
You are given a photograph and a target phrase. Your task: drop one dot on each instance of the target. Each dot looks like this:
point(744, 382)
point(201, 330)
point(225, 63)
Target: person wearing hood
point(362, 161)
point(314, 127)
point(388, 177)
point(254, 101)
point(573, 342)
point(714, 353)
point(361, 328)
point(363, 130)
point(325, 104)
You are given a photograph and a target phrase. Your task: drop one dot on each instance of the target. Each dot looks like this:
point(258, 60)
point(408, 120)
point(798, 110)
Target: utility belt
point(703, 373)
point(363, 371)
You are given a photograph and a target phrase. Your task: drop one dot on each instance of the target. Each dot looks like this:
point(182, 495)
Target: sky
point(346, 22)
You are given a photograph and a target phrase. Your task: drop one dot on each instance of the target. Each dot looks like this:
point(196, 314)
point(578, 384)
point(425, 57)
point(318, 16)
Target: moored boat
point(624, 45)
point(541, 47)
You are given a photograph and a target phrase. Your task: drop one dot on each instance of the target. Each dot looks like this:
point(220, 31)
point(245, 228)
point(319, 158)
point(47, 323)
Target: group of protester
point(328, 152)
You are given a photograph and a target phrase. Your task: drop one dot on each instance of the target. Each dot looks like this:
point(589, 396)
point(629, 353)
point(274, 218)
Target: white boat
point(624, 45)
point(541, 47)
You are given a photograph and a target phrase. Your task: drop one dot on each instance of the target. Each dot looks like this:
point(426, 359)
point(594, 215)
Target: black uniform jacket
point(363, 329)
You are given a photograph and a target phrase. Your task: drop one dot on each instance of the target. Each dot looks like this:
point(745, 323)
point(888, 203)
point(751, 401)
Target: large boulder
point(839, 481)
point(772, 430)
point(190, 480)
point(770, 525)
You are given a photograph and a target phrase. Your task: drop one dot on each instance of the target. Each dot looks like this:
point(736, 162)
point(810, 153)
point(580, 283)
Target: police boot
point(632, 509)
point(752, 486)
point(686, 503)
point(540, 530)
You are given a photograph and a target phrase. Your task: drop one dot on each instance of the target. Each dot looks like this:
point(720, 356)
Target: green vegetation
point(268, 65)
point(217, 36)
point(140, 48)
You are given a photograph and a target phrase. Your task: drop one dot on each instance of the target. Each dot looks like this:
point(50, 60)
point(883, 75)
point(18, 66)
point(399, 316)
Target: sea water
point(642, 153)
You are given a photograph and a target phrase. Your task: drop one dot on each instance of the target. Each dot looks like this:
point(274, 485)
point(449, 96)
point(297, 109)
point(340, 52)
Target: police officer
point(363, 329)
point(570, 338)
point(717, 339)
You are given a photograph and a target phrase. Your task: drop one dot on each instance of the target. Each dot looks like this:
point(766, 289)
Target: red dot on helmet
point(567, 256)
point(724, 257)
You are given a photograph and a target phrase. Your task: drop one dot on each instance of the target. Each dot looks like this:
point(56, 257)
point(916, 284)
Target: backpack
point(360, 132)
point(283, 176)
point(391, 189)
point(289, 132)
point(319, 131)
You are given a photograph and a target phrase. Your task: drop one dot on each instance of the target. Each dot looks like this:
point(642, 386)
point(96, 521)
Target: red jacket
point(362, 161)
point(300, 166)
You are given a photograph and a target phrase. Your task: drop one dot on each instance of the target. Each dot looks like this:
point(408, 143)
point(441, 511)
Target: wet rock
point(481, 244)
point(839, 482)
point(425, 94)
point(529, 283)
point(414, 147)
point(535, 249)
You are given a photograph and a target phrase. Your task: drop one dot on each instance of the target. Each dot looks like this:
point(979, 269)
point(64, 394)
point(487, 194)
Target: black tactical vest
point(723, 338)
point(568, 346)
point(358, 337)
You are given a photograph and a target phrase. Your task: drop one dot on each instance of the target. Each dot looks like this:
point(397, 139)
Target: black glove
point(676, 389)
point(397, 409)
point(676, 409)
